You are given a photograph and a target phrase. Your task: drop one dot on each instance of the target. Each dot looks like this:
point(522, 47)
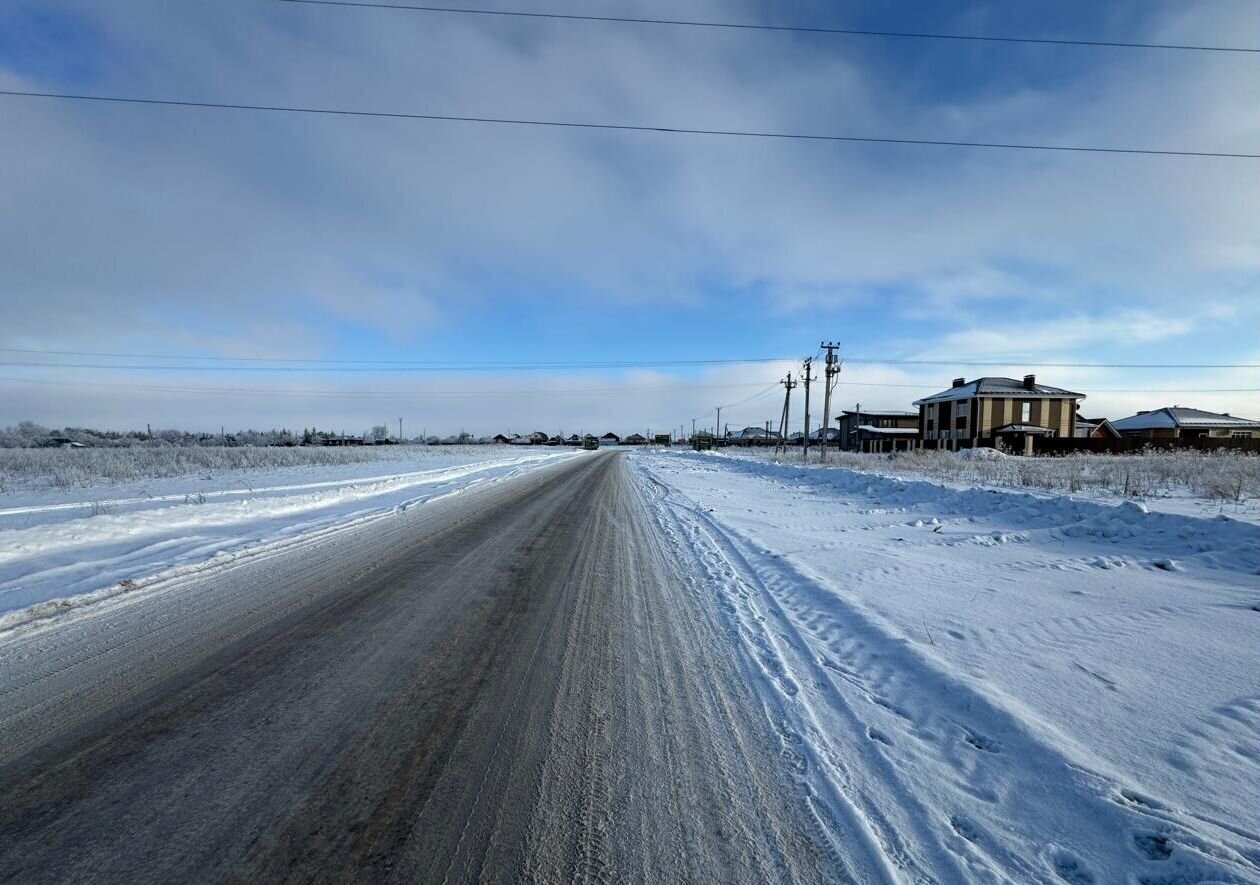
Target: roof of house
point(1180, 416)
point(881, 413)
point(755, 433)
point(1023, 428)
point(993, 386)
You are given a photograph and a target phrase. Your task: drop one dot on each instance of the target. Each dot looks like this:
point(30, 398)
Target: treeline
point(29, 435)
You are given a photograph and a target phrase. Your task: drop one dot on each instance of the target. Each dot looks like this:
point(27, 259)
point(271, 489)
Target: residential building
point(1179, 422)
point(1095, 428)
point(634, 439)
point(755, 436)
point(610, 439)
point(868, 430)
point(998, 412)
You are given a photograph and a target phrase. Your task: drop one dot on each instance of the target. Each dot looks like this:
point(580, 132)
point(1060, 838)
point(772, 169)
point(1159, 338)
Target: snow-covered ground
point(60, 544)
point(992, 685)
point(1182, 481)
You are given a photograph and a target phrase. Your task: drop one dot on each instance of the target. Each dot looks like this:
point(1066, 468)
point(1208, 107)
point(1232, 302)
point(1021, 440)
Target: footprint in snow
point(980, 742)
point(964, 827)
point(878, 736)
point(1068, 867)
point(1153, 846)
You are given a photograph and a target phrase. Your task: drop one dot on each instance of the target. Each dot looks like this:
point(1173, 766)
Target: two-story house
point(999, 412)
point(872, 430)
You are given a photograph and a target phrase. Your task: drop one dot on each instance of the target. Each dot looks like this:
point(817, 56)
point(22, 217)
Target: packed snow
point(992, 685)
point(63, 546)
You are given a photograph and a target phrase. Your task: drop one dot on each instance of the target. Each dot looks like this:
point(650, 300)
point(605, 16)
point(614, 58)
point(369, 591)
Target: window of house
point(1241, 434)
point(1025, 412)
point(932, 413)
point(962, 409)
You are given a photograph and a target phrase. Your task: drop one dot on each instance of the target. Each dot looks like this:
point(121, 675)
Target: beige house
point(998, 412)
point(1179, 422)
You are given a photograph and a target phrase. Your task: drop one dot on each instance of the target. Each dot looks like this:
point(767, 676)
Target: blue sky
point(219, 233)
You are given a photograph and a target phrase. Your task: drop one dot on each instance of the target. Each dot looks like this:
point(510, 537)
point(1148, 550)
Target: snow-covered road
point(992, 686)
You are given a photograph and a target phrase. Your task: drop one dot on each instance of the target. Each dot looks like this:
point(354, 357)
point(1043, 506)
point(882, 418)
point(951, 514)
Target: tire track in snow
point(986, 762)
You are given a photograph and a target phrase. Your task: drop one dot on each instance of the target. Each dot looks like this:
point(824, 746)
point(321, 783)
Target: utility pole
point(693, 428)
point(717, 427)
point(832, 369)
point(788, 384)
point(857, 417)
point(400, 430)
point(809, 364)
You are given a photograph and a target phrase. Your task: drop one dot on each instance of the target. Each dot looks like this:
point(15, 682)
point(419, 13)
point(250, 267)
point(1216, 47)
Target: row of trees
point(28, 435)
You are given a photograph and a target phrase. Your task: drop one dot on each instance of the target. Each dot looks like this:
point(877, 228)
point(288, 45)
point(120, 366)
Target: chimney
point(1030, 381)
point(959, 382)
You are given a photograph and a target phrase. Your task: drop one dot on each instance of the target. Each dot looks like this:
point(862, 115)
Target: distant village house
point(1179, 422)
point(865, 430)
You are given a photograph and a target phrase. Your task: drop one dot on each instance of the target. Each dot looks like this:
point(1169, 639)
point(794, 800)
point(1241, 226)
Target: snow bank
point(999, 686)
point(59, 544)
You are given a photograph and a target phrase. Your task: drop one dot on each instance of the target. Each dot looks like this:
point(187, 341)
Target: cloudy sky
point(192, 233)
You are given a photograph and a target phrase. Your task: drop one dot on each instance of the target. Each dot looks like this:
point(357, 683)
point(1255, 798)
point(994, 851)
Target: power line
point(474, 365)
point(621, 127)
point(542, 392)
point(357, 394)
point(1041, 365)
point(798, 29)
point(436, 365)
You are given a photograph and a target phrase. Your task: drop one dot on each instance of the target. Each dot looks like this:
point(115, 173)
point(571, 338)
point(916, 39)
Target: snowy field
point(131, 518)
point(34, 468)
point(1183, 481)
point(992, 686)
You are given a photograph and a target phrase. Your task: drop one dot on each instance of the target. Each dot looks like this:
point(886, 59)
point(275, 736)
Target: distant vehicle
point(661, 439)
point(590, 443)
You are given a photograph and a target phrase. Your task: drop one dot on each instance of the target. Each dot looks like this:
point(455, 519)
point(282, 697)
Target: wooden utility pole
point(717, 426)
point(400, 430)
point(788, 384)
point(809, 364)
point(832, 369)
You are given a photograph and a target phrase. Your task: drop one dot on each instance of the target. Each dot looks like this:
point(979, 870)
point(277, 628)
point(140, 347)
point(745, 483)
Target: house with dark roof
point(634, 439)
point(869, 430)
point(999, 412)
point(755, 436)
point(1179, 422)
point(610, 439)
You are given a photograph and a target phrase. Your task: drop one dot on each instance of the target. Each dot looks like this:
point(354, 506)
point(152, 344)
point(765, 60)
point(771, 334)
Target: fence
point(1065, 445)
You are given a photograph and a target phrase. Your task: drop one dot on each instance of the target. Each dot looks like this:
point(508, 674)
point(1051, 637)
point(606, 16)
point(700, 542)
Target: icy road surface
point(511, 684)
